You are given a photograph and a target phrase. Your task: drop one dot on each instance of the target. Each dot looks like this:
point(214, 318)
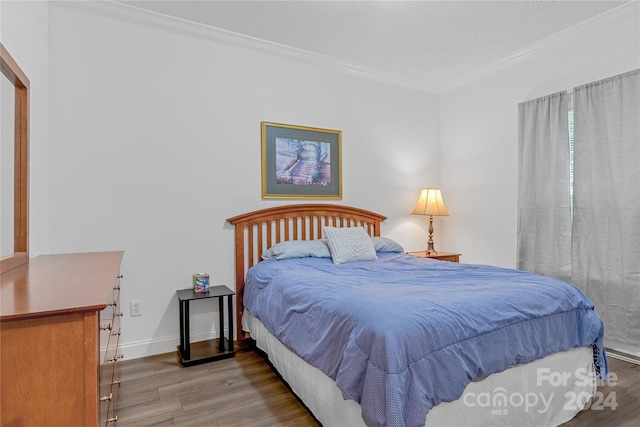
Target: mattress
point(548, 391)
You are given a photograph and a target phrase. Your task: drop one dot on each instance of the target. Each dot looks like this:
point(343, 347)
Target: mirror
point(14, 163)
point(7, 153)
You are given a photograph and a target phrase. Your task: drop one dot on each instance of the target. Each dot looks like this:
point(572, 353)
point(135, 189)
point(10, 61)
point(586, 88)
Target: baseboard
point(622, 351)
point(626, 357)
point(144, 348)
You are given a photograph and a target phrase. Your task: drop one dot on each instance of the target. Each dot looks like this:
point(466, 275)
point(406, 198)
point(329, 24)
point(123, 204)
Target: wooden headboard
point(259, 230)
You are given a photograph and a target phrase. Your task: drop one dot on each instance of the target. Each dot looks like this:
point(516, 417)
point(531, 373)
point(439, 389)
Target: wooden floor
point(241, 391)
point(244, 391)
point(625, 393)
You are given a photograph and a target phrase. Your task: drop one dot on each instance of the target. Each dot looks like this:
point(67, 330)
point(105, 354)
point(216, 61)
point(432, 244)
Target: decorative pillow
point(349, 244)
point(385, 244)
point(298, 249)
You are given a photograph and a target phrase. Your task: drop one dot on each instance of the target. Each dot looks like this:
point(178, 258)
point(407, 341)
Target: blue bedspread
point(402, 334)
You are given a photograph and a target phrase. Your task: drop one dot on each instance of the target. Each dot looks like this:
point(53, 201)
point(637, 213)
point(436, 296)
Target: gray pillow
point(350, 244)
point(385, 244)
point(298, 249)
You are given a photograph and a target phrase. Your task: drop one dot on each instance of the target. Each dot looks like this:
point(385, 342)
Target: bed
point(403, 341)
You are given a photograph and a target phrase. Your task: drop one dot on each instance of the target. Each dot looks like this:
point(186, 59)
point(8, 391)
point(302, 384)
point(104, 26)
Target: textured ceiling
point(430, 41)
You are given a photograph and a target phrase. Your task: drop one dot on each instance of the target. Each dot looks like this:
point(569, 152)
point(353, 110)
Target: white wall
point(138, 134)
point(24, 27)
point(155, 141)
point(479, 132)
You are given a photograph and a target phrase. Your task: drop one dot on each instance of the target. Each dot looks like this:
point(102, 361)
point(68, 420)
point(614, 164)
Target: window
point(571, 158)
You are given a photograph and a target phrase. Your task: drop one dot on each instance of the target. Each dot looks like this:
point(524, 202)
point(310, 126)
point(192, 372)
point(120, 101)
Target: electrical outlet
point(136, 308)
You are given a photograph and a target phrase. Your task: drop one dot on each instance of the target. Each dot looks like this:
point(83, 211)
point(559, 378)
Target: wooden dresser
point(59, 340)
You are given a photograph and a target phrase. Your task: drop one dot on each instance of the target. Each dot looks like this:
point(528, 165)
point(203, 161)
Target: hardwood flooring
point(237, 392)
point(624, 395)
point(244, 391)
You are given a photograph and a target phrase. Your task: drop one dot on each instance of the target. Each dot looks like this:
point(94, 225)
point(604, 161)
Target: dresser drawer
point(110, 357)
point(112, 414)
point(110, 328)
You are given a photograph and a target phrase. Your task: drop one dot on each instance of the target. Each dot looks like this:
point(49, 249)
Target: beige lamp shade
point(430, 203)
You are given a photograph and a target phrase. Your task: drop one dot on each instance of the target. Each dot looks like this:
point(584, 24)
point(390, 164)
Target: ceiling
point(434, 42)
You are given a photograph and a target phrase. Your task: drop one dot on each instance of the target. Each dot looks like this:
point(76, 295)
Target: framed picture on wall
point(301, 162)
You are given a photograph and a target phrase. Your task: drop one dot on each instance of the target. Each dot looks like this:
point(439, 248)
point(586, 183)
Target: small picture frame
point(200, 282)
point(301, 162)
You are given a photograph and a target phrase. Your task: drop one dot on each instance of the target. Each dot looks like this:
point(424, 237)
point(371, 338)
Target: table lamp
point(430, 203)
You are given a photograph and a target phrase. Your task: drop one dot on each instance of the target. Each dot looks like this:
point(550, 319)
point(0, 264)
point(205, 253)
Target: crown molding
point(628, 10)
point(151, 19)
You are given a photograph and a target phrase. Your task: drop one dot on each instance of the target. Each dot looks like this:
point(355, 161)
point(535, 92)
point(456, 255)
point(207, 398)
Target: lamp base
point(430, 250)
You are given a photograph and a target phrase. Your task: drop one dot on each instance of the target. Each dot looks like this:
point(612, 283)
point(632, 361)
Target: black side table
point(208, 350)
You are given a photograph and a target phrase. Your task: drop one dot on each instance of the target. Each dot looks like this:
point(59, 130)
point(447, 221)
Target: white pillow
point(349, 244)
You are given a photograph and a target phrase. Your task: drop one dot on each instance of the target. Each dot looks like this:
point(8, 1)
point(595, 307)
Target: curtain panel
point(606, 217)
point(544, 210)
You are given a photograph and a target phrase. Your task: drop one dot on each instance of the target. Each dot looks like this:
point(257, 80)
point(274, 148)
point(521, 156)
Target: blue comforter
point(402, 334)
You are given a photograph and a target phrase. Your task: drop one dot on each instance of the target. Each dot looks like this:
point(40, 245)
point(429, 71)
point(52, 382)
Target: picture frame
point(301, 162)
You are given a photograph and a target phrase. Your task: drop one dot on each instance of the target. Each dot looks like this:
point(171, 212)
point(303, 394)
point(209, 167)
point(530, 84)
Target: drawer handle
point(120, 314)
point(113, 304)
point(120, 276)
point(113, 420)
point(117, 333)
point(115, 359)
point(116, 288)
point(117, 382)
point(104, 328)
point(105, 398)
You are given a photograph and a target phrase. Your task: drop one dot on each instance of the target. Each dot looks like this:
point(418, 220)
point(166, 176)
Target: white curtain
point(606, 218)
point(544, 211)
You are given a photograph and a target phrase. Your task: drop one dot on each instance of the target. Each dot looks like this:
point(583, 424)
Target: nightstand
point(208, 350)
point(440, 256)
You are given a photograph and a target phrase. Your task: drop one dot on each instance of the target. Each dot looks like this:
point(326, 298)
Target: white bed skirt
point(545, 392)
